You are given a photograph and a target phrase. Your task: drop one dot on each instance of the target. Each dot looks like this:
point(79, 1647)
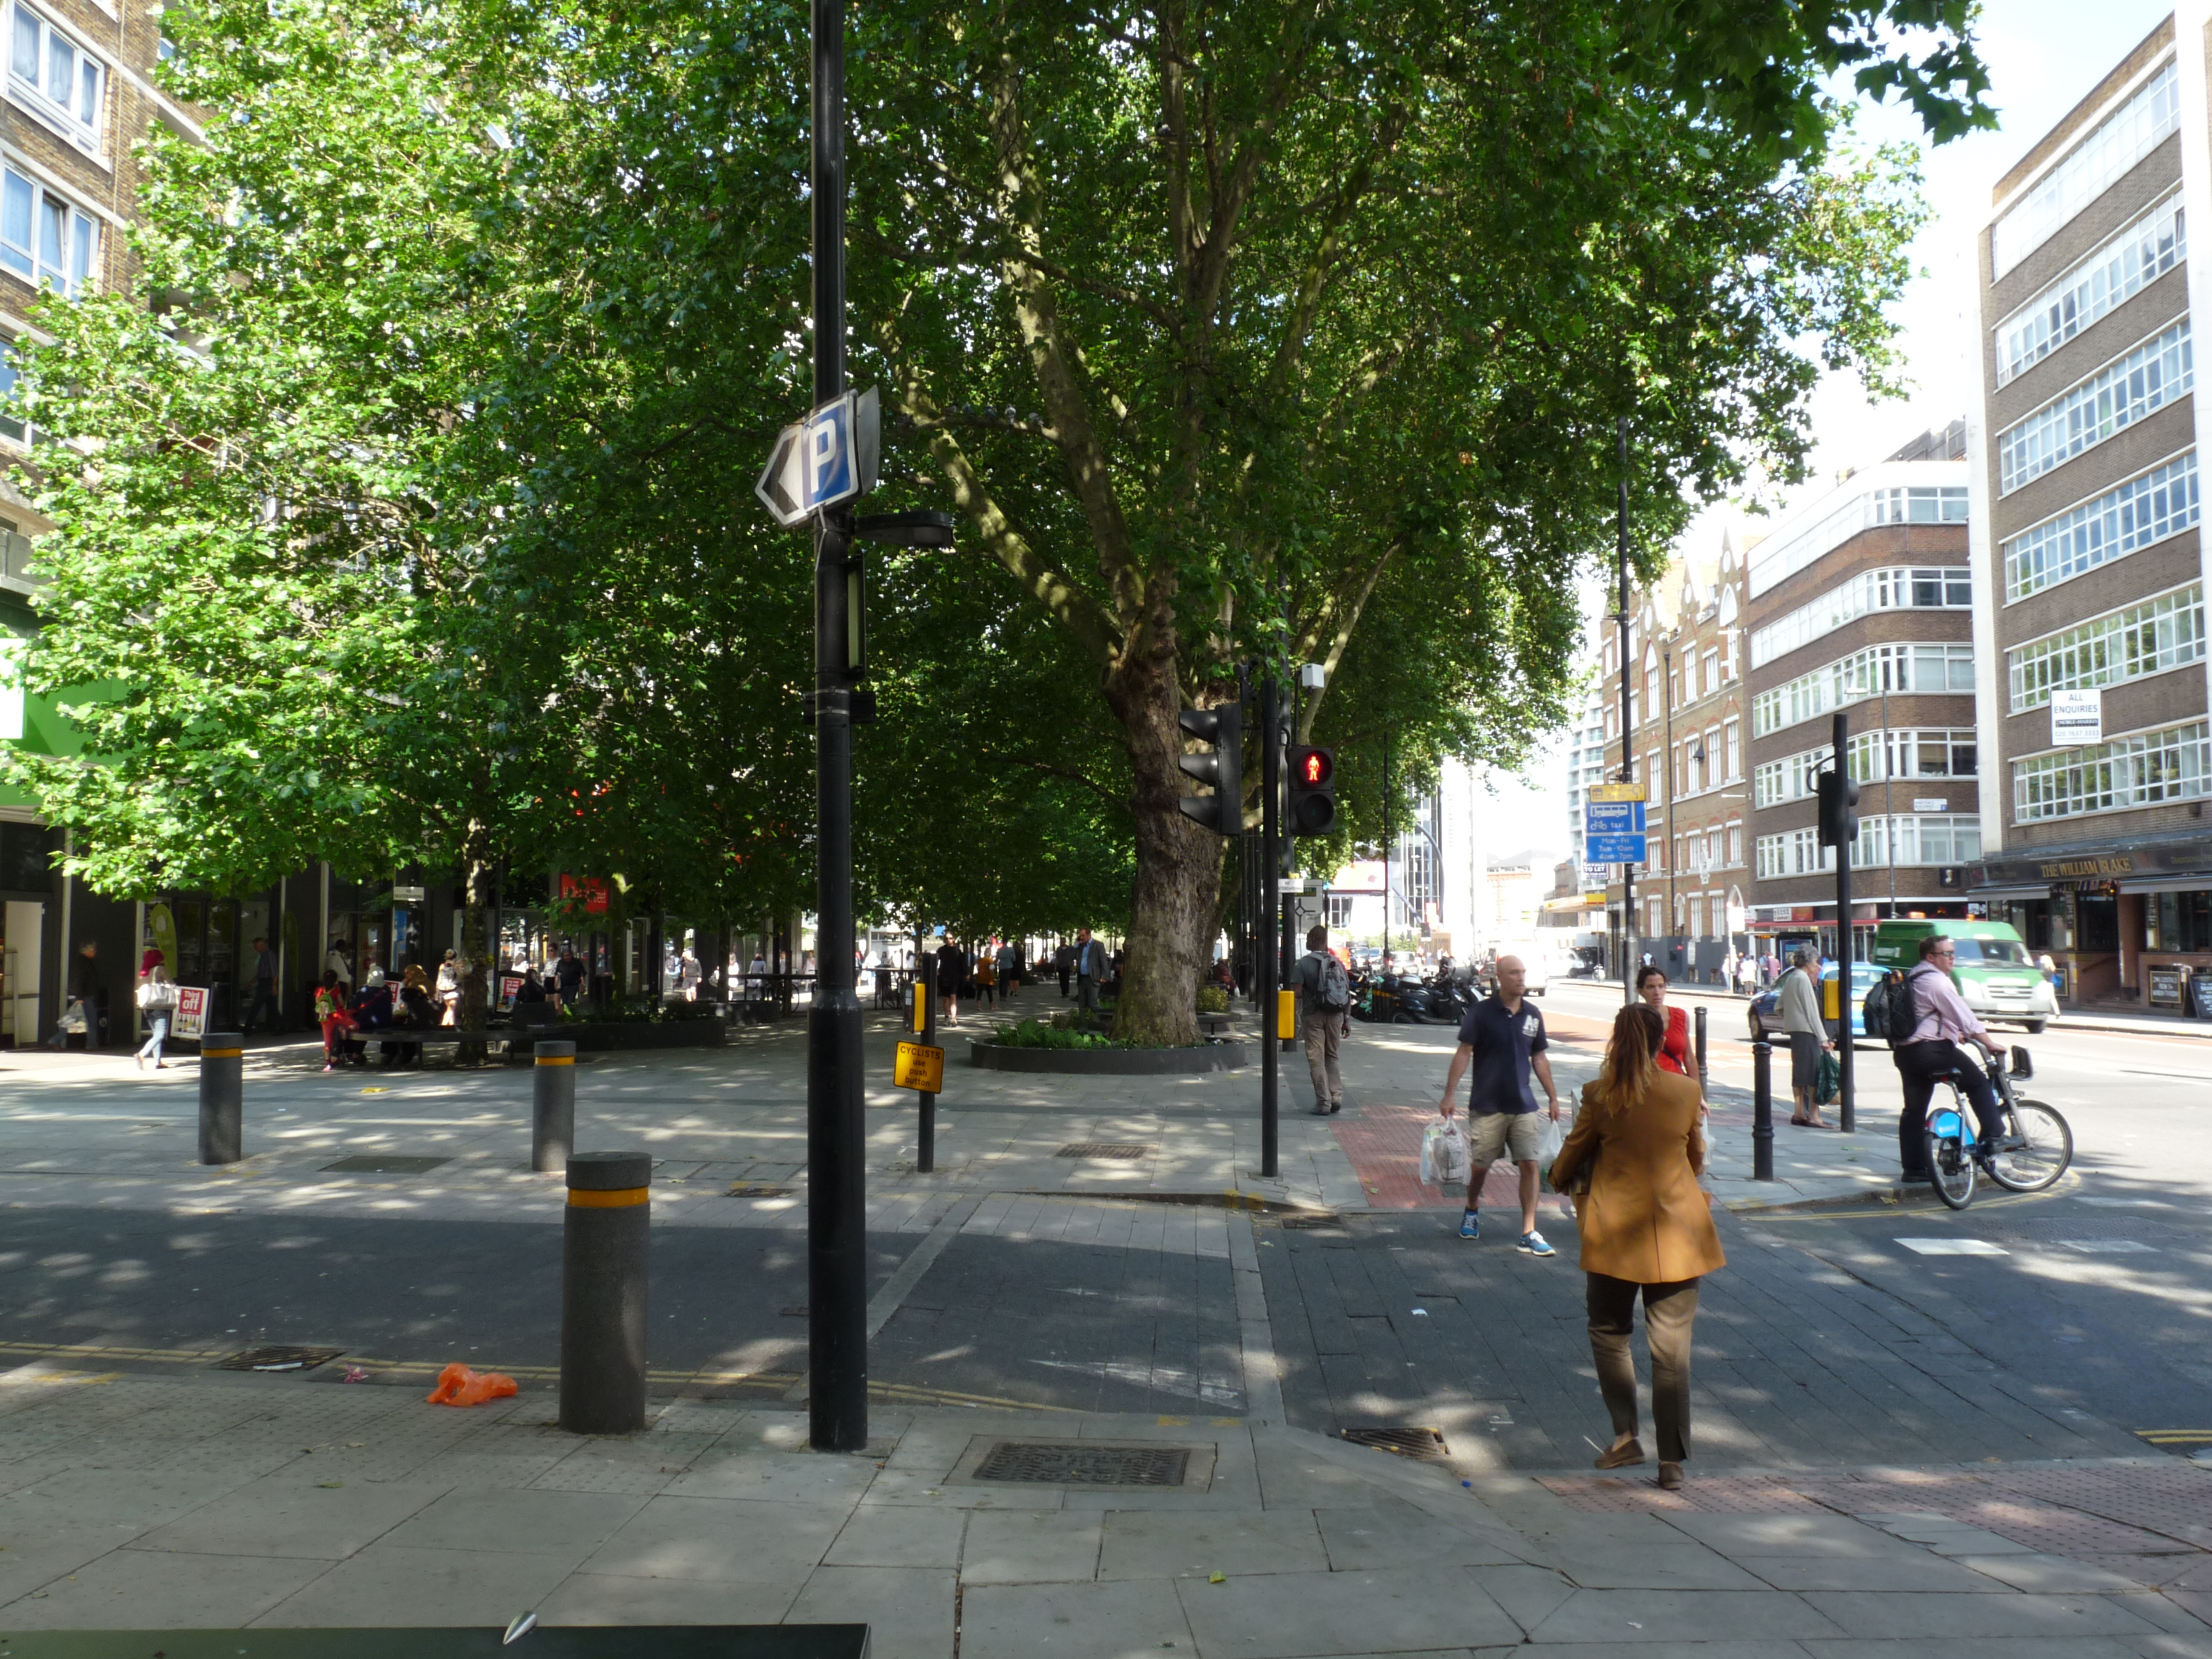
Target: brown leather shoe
point(1620, 1456)
point(1670, 1477)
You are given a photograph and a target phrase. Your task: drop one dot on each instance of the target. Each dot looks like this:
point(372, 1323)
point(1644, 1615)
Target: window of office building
point(1933, 587)
point(55, 75)
point(1863, 674)
point(13, 426)
point(2116, 272)
point(2146, 769)
point(2146, 509)
point(2160, 633)
point(2085, 172)
point(2125, 390)
point(44, 238)
point(1869, 510)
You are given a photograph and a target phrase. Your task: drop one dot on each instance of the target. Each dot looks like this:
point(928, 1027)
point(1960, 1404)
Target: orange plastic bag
point(459, 1386)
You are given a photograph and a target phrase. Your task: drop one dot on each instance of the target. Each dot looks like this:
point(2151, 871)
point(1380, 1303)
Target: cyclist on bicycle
point(1936, 1020)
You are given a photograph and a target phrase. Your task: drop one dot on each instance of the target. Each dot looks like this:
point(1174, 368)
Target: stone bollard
point(222, 1097)
point(552, 1105)
point(603, 1292)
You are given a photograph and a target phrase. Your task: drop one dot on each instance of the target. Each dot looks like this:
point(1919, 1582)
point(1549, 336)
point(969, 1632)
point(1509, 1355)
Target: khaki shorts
point(1490, 1134)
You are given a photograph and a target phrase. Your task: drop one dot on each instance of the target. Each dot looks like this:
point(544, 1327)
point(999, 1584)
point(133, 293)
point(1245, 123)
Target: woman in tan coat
point(1645, 1224)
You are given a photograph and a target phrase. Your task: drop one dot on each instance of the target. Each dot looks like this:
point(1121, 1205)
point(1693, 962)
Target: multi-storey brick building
point(1686, 682)
point(1860, 601)
point(2088, 557)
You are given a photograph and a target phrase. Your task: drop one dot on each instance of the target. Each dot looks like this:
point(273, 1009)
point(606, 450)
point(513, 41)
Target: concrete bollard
point(552, 1105)
point(603, 1292)
point(222, 1097)
point(1762, 1109)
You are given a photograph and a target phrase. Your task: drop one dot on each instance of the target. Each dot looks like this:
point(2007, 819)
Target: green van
point(1995, 974)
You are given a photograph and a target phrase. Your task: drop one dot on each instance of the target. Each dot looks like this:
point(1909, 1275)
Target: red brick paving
point(1383, 1143)
point(2150, 1525)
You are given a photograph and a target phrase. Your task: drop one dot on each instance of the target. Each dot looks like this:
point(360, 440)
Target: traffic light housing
point(1222, 811)
point(1839, 825)
point(1313, 791)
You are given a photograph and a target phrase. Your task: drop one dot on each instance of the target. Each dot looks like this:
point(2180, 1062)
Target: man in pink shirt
point(1937, 1020)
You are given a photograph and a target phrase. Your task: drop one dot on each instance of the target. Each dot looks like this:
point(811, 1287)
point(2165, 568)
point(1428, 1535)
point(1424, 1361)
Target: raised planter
point(592, 1038)
point(1110, 1062)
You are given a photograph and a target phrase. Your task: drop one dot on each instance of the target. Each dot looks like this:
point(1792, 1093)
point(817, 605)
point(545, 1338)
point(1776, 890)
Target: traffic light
point(1839, 825)
point(1222, 811)
point(1313, 791)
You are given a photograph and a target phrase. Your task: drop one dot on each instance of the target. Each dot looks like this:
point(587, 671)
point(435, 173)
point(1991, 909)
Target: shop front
point(2131, 925)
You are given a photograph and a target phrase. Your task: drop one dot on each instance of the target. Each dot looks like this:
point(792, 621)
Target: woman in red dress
point(1674, 1054)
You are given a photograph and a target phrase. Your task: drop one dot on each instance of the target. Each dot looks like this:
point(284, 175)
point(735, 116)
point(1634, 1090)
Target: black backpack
point(1888, 1011)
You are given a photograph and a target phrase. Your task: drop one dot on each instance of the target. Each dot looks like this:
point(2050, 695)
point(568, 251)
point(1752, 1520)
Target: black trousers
point(1923, 1065)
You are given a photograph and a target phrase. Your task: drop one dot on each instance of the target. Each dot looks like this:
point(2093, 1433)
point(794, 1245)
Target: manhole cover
point(278, 1360)
point(383, 1163)
point(1090, 1465)
point(1102, 1149)
point(756, 1189)
point(1307, 1222)
point(1423, 1443)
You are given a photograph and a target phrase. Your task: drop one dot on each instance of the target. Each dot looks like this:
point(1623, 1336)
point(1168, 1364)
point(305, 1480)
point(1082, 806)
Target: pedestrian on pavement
point(1503, 1036)
point(1644, 1226)
point(340, 962)
point(448, 996)
point(334, 1017)
point(1747, 975)
point(986, 977)
point(1674, 1054)
point(568, 977)
point(1063, 962)
point(264, 986)
point(1808, 1036)
point(951, 974)
point(1087, 962)
point(1010, 971)
point(1936, 1020)
point(87, 987)
point(1324, 1017)
point(157, 1001)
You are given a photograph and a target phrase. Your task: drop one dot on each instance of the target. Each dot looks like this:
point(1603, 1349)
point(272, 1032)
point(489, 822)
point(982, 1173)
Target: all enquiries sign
point(2077, 717)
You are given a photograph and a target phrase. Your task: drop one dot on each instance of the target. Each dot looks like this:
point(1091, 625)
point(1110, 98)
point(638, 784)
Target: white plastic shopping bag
point(1555, 1137)
point(1445, 1156)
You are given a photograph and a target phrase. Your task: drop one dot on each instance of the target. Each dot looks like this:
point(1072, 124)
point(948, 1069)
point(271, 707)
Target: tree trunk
point(477, 875)
point(1178, 863)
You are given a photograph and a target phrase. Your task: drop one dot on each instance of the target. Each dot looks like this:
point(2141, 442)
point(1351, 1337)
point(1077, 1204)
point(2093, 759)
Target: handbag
point(1828, 1081)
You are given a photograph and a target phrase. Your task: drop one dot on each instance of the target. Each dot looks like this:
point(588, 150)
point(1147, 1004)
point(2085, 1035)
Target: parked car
point(1766, 1009)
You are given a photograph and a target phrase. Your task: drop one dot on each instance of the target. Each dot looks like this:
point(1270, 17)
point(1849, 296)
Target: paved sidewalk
point(236, 1502)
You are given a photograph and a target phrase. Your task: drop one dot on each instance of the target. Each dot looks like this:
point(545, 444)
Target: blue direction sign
point(827, 458)
point(1612, 832)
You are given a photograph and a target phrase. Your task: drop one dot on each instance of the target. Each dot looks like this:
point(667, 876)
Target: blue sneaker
point(1533, 1245)
point(1470, 1225)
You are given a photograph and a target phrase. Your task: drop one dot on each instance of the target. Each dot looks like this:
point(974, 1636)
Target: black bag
point(1883, 1015)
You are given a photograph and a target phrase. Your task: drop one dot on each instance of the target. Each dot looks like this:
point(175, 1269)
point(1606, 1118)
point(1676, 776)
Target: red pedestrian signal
point(1313, 791)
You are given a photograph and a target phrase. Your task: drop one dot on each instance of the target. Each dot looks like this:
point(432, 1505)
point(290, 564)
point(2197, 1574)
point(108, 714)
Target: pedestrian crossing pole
point(1266, 943)
point(836, 1236)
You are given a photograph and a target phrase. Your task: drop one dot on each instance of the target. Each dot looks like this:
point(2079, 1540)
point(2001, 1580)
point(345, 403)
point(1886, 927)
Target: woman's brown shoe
point(1670, 1477)
point(1620, 1456)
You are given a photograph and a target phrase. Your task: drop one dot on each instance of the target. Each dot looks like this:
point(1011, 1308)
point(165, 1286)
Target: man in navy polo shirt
point(1503, 1037)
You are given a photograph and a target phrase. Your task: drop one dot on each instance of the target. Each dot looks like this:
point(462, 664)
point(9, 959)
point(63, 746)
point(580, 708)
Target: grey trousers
point(1087, 993)
point(1323, 1031)
point(1669, 1311)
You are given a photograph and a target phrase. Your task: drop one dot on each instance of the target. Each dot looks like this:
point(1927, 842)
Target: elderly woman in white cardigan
point(1808, 1033)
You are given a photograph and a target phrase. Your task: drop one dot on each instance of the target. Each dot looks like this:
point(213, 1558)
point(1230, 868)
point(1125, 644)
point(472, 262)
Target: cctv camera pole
point(1846, 949)
point(1266, 943)
point(836, 1237)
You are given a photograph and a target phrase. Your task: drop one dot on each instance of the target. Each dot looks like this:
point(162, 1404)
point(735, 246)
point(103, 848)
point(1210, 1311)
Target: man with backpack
point(1324, 1015)
point(1925, 1020)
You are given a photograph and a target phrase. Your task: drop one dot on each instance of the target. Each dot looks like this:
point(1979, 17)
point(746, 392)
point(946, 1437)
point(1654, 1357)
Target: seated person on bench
point(372, 1012)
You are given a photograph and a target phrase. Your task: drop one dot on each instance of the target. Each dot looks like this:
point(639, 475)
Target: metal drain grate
point(756, 1189)
point(1307, 1223)
point(278, 1360)
point(1094, 1464)
point(383, 1163)
point(1102, 1149)
point(1424, 1444)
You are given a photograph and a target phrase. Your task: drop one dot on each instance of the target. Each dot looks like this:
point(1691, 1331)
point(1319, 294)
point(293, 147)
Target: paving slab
point(1031, 1547)
point(194, 1591)
point(720, 1541)
point(894, 1535)
point(1293, 1616)
point(1127, 1618)
point(2047, 1574)
point(295, 1515)
point(909, 1610)
point(1651, 1615)
point(1941, 1613)
point(397, 1584)
point(1163, 1544)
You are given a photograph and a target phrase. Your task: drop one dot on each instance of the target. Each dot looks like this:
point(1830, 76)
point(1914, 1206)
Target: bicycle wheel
point(2035, 1152)
point(1950, 1154)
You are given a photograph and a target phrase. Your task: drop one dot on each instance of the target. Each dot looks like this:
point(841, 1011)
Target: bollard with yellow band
point(920, 1067)
point(604, 1233)
point(552, 1105)
point(1286, 1014)
point(222, 1097)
